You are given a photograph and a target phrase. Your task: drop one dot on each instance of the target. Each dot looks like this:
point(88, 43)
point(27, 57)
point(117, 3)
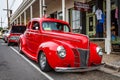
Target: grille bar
point(77, 58)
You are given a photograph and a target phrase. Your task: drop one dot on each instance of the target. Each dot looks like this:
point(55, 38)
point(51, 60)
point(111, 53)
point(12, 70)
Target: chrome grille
point(84, 54)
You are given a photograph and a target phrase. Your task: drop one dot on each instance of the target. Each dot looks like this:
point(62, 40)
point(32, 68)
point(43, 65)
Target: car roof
point(49, 19)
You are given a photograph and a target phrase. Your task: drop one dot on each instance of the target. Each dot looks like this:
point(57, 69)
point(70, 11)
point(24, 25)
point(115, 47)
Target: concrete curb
point(110, 71)
point(113, 67)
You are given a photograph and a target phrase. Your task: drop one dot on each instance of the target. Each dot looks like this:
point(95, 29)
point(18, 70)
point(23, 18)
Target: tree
point(1, 28)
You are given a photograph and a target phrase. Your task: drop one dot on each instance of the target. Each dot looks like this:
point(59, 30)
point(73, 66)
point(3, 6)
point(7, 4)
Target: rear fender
point(22, 40)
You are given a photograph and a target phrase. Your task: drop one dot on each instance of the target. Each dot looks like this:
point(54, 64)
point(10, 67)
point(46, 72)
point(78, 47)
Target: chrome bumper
point(77, 69)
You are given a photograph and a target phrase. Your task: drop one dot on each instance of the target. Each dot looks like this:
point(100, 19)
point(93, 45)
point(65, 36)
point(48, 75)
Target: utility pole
point(1, 23)
point(8, 15)
point(9, 12)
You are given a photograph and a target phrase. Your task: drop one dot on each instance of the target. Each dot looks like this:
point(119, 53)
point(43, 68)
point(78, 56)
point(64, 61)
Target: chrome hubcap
point(42, 61)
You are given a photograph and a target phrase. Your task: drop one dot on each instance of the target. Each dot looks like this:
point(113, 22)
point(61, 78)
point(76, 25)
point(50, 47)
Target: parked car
point(0, 34)
point(14, 33)
point(3, 33)
point(51, 43)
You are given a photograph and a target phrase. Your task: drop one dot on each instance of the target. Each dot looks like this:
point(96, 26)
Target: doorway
point(90, 25)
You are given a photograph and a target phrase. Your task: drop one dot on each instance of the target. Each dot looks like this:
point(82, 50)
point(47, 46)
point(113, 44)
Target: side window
point(46, 26)
point(35, 26)
point(66, 28)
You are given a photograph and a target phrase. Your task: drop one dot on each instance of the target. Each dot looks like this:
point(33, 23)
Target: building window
point(75, 21)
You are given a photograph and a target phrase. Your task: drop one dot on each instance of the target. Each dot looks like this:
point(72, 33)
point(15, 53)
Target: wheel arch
point(22, 39)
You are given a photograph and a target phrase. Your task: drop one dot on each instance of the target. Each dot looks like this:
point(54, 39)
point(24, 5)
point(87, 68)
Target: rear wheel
point(20, 47)
point(5, 41)
point(8, 43)
point(43, 63)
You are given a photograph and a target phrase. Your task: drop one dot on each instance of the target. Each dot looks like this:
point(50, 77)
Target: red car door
point(28, 37)
point(37, 40)
point(35, 37)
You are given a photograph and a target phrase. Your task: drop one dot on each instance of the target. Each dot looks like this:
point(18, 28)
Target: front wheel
point(43, 63)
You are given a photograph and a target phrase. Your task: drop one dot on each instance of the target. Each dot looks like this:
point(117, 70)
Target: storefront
point(82, 20)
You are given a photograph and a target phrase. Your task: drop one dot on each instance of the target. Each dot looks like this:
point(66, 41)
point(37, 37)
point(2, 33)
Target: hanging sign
point(81, 6)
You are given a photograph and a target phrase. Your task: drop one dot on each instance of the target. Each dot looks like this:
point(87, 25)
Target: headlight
point(61, 51)
point(99, 51)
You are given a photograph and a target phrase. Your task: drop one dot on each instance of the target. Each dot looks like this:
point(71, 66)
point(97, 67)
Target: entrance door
point(90, 24)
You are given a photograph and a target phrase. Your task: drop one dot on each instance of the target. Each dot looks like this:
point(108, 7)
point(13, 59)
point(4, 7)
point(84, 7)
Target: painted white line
point(46, 75)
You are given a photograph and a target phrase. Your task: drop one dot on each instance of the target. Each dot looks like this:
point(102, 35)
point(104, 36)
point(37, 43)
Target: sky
point(13, 5)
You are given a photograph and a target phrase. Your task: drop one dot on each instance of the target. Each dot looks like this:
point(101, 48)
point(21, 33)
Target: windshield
point(55, 26)
point(18, 29)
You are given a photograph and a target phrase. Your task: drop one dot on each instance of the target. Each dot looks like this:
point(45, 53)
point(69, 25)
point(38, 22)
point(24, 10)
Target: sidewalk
point(112, 64)
point(112, 60)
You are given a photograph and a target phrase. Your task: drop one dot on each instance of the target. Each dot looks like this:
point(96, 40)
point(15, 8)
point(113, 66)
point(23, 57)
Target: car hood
point(76, 40)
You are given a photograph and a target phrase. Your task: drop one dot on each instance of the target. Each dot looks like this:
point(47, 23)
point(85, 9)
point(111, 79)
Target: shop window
point(75, 22)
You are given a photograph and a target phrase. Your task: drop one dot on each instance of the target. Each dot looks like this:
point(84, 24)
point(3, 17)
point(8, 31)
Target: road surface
point(16, 66)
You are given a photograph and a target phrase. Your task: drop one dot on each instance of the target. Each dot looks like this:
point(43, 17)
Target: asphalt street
point(16, 66)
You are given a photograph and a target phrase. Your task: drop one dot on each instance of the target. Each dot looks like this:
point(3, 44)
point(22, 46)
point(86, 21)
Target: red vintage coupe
point(51, 43)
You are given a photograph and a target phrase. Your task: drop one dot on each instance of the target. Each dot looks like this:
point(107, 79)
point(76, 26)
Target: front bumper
point(77, 69)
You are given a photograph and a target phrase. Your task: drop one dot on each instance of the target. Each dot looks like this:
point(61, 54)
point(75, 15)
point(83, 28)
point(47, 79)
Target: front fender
point(50, 50)
point(94, 58)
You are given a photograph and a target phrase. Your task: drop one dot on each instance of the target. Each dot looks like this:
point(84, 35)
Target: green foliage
point(1, 28)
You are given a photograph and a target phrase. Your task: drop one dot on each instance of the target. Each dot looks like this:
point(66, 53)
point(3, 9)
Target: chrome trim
point(83, 49)
point(77, 69)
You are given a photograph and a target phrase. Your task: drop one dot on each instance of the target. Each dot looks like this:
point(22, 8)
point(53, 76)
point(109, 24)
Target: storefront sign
point(81, 6)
